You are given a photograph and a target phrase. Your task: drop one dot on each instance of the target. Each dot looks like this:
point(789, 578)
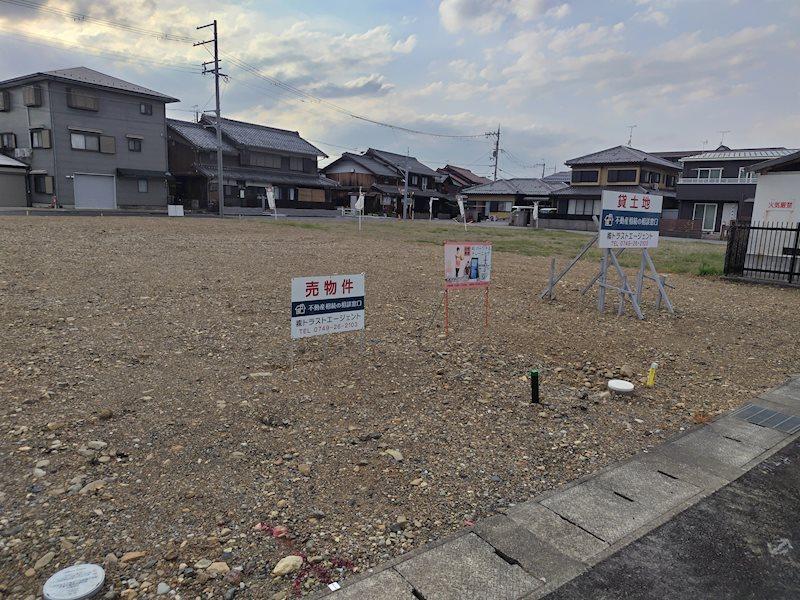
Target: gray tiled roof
point(202, 137)
point(252, 135)
point(747, 154)
point(768, 165)
point(91, 77)
point(370, 164)
point(621, 155)
point(462, 175)
point(519, 185)
point(7, 161)
point(596, 191)
point(393, 190)
point(560, 177)
point(399, 161)
point(265, 177)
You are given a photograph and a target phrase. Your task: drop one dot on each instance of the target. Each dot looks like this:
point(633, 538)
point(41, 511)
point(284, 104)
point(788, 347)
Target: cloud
point(374, 85)
point(651, 15)
point(559, 12)
point(405, 46)
point(487, 16)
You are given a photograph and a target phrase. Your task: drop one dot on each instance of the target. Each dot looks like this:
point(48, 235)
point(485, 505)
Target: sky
point(561, 78)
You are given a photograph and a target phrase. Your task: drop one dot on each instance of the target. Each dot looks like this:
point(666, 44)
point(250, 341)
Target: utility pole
point(496, 150)
point(218, 123)
point(405, 184)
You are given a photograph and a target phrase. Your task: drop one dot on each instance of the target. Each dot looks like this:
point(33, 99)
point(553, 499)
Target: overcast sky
point(561, 78)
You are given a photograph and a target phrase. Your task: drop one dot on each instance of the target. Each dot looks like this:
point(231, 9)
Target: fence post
point(729, 249)
point(793, 260)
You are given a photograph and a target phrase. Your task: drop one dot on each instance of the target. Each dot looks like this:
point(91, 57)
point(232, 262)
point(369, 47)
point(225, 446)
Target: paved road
point(741, 542)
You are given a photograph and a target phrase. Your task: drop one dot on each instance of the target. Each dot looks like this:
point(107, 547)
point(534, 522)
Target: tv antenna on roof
point(705, 143)
point(724, 132)
point(630, 133)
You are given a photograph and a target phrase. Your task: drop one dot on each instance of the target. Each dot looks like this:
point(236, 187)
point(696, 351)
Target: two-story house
point(254, 157)
point(386, 173)
point(361, 172)
point(716, 187)
point(622, 169)
point(91, 140)
point(497, 198)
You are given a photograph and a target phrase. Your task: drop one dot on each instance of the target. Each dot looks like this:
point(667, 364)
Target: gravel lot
point(156, 417)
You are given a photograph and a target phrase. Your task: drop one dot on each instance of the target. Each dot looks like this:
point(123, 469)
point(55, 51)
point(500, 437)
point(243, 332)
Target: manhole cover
point(766, 417)
point(78, 582)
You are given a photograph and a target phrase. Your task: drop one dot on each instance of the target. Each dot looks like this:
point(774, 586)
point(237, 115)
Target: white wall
point(777, 187)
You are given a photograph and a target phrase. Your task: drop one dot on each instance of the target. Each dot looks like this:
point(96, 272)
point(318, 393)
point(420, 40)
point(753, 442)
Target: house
point(453, 179)
point(91, 140)
point(777, 197)
point(716, 187)
point(13, 185)
point(391, 178)
point(253, 157)
point(621, 169)
point(496, 198)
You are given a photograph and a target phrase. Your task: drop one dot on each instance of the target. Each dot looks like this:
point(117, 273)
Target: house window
point(709, 174)
point(8, 140)
point(414, 180)
point(145, 108)
point(670, 181)
point(93, 142)
point(32, 95)
point(40, 138)
point(651, 177)
point(707, 214)
point(585, 176)
point(622, 176)
point(134, 145)
point(424, 183)
point(295, 163)
point(5, 101)
point(260, 159)
point(142, 186)
point(43, 184)
point(745, 175)
point(581, 206)
point(81, 100)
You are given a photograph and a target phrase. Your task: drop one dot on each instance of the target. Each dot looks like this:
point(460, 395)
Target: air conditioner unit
point(22, 152)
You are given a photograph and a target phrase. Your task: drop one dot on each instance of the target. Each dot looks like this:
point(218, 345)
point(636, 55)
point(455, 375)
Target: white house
point(778, 191)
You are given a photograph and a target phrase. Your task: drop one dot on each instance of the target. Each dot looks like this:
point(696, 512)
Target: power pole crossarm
point(218, 121)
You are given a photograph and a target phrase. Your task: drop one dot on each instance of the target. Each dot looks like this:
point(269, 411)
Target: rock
point(279, 595)
point(395, 454)
point(127, 595)
point(105, 414)
point(203, 563)
point(44, 560)
point(230, 594)
point(92, 487)
point(305, 469)
point(163, 588)
point(132, 556)
point(39, 472)
point(56, 425)
point(626, 371)
point(260, 375)
point(96, 445)
point(286, 565)
point(41, 464)
point(417, 481)
point(218, 568)
point(30, 572)
point(171, 554)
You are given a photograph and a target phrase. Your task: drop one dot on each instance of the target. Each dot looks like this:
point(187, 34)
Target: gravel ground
point(156, 418)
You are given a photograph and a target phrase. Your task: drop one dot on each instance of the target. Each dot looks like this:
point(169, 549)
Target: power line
point(255, 71)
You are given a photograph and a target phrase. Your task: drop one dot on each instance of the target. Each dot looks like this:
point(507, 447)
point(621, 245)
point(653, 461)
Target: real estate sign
point(467, 264)
point(629, 220)
point(327, 304)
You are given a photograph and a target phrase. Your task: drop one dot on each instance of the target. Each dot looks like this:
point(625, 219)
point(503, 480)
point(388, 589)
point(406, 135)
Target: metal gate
point(764, 252)
point(95, 191)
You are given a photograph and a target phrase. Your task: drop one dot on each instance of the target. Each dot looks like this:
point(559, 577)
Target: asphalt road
point(741, 542)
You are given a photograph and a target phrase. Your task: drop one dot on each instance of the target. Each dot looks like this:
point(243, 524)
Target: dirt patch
point(153, 403)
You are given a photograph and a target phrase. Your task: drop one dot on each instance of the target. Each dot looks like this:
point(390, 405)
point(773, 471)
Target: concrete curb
point(560, 534)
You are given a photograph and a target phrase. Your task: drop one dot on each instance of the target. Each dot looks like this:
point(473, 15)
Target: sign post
point(460, 200)
point(327, 304)
point(467, 265)
point(360, 206)
point(271, 200)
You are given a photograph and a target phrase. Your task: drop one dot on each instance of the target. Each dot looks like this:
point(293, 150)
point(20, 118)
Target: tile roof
point(560, 177)
point(199, 135)
point(596, 191)
point(252, 135)
point(514, 186)
point(399, 161)
point(463, 176)
point(263, 176)
point(744, 154)
point(370, 164)
point(393, 190)
point(621, 155)
point(91, 77)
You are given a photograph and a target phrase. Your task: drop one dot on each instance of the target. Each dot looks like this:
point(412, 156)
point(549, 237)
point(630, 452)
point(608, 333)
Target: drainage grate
point(766, 417)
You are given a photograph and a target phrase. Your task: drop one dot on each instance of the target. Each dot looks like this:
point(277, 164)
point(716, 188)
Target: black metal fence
point(764, 252)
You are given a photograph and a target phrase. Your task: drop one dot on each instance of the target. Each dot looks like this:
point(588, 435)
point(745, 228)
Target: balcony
point(749, 179)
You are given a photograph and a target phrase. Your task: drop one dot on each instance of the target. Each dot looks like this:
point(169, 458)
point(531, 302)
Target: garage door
point(95, 191)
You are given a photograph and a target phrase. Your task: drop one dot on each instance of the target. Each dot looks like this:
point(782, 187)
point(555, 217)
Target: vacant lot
point(151, 401)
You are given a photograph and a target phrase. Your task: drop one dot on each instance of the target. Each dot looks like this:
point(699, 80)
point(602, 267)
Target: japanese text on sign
point(467, 264)
point(629, 220)
point(327, 304)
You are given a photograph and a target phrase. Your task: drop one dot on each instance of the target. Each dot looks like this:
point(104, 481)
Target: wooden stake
point(486, 308)
point(446, 310)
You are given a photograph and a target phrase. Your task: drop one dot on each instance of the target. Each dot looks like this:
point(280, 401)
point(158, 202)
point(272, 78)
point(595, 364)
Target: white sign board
point(327, 304)
point(629, 220)
point(467, 264)
point(271, 197)
point(175, 210)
